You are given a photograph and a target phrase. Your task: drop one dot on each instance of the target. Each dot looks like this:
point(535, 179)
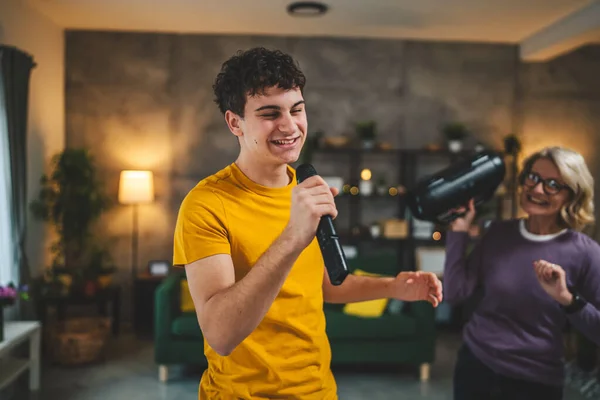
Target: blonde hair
point(579, 210)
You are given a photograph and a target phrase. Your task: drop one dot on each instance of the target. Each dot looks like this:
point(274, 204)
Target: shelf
point(10, 369)
point(355, 151)
point(17, 332)
point(369, 197)
point(406, 166)
point(348, 238)
point(397, 152)
point(428, 242)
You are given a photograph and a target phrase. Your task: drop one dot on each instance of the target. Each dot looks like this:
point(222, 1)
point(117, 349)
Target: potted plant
point(382, 187)
point(480, 146)
point(366, 132)
point(71, 199)
point(98, 271)
point(311, 145)
point(8, 296)
point(455, 133)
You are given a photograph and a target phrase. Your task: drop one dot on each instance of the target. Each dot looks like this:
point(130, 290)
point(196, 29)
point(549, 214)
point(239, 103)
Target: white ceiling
point(511, 21)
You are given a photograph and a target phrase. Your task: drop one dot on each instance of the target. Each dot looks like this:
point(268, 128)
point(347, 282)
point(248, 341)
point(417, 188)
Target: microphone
point(434, 197)
point(333, 254)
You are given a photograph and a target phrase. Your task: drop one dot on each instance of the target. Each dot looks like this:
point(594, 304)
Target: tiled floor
point(130, 374)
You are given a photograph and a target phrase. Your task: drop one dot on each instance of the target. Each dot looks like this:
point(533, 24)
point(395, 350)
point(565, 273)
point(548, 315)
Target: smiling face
point(544, 191)
point(273, 129)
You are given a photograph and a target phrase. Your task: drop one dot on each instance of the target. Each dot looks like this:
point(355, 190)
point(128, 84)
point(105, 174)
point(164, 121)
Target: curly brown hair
point(250, 72)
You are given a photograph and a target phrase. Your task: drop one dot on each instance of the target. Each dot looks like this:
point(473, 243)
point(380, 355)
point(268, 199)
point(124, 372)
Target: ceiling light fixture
point(307, 9)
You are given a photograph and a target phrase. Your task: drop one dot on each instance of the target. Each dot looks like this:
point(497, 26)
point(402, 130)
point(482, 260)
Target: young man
point(246, 236)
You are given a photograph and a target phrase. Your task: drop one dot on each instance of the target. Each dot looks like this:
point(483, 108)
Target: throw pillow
point(366, 309)
point(186, 302)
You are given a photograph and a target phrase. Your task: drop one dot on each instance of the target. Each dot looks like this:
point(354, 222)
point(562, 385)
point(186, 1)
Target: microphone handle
point(333, 254)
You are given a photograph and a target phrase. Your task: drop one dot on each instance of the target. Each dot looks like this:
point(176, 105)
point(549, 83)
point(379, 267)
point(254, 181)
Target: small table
point(111, 294)
point(143, 316)
point(15, 333)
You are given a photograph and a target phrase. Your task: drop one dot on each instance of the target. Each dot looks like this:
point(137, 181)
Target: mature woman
point(530, 277)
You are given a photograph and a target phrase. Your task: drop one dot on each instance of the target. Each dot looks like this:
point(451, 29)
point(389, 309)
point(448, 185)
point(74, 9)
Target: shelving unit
point(405, 164)
point(11, 367)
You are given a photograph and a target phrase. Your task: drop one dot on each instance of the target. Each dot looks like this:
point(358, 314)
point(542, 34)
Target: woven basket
point(78, 341)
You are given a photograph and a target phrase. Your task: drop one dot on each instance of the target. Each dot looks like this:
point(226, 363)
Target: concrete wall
point(559, 104)
point(145, 101)
point(25, 28)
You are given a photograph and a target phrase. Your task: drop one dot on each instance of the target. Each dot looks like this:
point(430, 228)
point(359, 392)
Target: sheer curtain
point(8, 260)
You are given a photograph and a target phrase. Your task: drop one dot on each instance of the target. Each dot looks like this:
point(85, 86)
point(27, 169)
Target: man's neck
point(274, 176)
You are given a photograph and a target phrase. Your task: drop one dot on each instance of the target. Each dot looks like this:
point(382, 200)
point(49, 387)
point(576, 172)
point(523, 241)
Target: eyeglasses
point(551, 186)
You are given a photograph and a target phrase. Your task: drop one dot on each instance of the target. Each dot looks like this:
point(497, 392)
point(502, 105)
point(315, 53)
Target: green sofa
point(397, 337)
point(404, 335)
point(177, 335)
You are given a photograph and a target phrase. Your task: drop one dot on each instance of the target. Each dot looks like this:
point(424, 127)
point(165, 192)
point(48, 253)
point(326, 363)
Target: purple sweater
point(516, 329)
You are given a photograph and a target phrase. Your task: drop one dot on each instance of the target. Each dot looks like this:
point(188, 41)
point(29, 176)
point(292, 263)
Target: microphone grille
point(305, 171)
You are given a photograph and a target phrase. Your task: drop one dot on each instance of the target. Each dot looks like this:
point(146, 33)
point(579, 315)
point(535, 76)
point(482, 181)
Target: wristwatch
point(576, 304)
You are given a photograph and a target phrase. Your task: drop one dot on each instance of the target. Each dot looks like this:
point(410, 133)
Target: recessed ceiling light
point(307, 8)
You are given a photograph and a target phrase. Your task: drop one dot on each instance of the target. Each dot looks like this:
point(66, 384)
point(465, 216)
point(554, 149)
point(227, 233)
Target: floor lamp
point(135, 188)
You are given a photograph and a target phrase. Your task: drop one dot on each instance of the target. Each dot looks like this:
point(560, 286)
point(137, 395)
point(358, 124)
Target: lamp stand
point(134, 244)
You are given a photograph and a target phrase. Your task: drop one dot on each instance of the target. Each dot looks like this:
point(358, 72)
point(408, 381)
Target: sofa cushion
point(185, 298)
point(186, 325)
point(344, 326)
point(370, 308)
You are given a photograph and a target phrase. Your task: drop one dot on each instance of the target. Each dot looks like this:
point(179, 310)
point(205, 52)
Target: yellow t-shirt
point(288, 354)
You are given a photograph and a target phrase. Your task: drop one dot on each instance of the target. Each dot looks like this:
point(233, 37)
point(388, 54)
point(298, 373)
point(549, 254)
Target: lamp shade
point(136, 187)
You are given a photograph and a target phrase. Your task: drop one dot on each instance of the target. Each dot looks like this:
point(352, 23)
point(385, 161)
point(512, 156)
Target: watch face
point(159, 267)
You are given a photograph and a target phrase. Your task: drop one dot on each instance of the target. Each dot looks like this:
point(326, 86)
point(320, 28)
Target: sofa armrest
point(339, 307)
point(424, 313)
point(167, 304)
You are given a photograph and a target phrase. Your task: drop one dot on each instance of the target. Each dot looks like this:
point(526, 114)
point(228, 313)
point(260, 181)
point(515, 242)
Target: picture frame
point(159, 267)
point(431, 259)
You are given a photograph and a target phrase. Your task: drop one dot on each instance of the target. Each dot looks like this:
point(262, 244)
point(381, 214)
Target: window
point(7, 256)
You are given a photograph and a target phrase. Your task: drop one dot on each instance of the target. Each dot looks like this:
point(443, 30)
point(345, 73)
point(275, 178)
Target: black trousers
point(473, 380)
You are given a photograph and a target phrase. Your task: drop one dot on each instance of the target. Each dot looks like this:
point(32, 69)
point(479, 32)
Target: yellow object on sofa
point(187, 304)
point(366, 309)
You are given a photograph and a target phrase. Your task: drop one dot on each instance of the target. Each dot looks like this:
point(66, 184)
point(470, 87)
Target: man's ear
point(234, 122)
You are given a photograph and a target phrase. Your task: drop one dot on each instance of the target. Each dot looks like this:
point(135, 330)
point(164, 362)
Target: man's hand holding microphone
point(311, 200)
point(312, 211)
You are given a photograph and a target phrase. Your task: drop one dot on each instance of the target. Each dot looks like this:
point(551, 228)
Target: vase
point(375, 230)
point(368, 144)
point(455, 146)
point(365, 187)
point(382, 190)
point(4, 302)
